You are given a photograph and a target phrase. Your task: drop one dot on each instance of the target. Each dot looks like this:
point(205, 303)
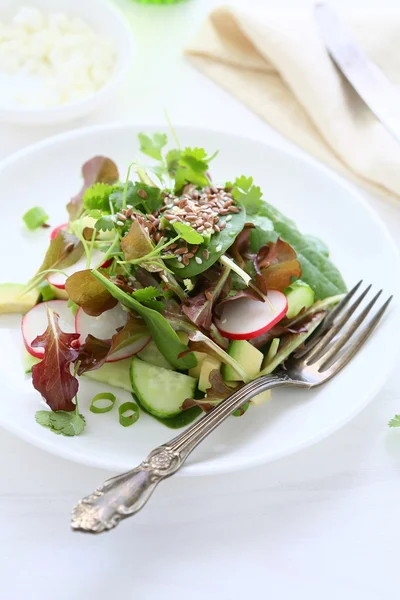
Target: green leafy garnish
point(187, 233)
point(97, 197)
point(105, 223)
point(128, 413)
point(147, 293)
point(247, 194)
point(172, 159)
point(192, 168)
point(152, 144)
point(61, 421)
point(35, 217)
point(395, 422)
point(108, 397)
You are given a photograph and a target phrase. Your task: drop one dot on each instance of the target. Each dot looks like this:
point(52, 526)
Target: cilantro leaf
point(247, 194)
point(147, 293)
point(97, 197)
point(395, 422)
point(97, 169)
point(105, 223)
point(152, 145)
point(192, 168)
point(187, 232)
point(61, 422)
point(172, 158)
point(35, 217)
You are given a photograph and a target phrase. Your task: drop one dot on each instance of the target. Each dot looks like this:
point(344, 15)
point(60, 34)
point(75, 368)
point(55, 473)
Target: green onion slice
point(128, 419)
point(102, 396)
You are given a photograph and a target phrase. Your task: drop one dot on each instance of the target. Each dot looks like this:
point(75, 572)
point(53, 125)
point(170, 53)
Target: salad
point(169, 285)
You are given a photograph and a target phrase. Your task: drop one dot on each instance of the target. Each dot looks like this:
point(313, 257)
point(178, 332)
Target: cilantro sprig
point(61, 421)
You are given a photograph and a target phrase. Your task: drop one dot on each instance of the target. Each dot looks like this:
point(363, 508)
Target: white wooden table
point(321, 524)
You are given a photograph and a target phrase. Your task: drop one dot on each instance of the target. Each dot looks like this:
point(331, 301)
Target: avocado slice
point(247, 356)
point(13, 300)
point(210, 363)
point(195, 371)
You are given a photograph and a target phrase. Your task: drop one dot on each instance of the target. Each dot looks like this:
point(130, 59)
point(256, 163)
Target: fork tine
point(319, 348)
point(359, 340)
point(328, 356)
point(328, 321)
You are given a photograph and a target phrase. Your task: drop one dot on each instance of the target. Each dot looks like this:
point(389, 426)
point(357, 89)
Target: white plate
point(105, 19)
point(49, 173)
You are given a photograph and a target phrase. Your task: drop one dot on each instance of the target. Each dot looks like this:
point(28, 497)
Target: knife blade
point(371, 84)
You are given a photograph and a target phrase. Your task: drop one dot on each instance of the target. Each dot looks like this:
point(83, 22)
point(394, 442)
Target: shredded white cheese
point(52, 59)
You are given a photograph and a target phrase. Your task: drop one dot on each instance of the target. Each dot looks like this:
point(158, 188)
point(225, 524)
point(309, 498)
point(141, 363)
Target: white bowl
point(105, 20)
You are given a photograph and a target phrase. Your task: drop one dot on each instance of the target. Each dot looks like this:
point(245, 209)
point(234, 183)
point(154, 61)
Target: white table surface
point(323, 524)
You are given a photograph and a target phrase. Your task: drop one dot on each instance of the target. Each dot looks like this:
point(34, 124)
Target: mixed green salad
point(169, 285)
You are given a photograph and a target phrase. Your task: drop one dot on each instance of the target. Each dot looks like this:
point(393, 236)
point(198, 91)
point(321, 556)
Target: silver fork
point(325, 353)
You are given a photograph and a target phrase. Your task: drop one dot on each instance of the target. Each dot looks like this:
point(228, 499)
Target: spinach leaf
point(217, 246)
point(138, 194)
point(317, 268)
point(161, 331)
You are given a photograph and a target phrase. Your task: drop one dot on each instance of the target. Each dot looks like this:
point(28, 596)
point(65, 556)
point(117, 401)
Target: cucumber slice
point(299, 295)
point(152, 355)
point(161, 391)
point(247, 356)
point(115, 374)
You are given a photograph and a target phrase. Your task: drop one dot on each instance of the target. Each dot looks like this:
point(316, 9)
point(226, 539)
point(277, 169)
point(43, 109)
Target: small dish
point(105, 20)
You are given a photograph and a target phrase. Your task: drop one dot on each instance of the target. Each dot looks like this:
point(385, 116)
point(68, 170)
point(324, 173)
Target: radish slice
point(54, 231)
point(35, 323)
point(59, 279)
point(104, 327)
point(245, 319)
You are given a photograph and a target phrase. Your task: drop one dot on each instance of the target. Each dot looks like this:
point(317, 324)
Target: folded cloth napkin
point(278, 66)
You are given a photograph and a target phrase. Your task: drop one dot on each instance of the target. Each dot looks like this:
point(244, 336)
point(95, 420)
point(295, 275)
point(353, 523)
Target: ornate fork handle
point(122, 496)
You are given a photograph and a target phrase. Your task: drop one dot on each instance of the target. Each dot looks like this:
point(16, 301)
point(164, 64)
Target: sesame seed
point(219, 248)
point(129, 206)
point(228, 218)
point(120, 223)
point(198, 260)
point(180, 258)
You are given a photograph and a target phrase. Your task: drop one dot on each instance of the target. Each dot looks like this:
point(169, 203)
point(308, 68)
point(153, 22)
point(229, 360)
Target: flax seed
point(194, 249)
point(201, 228)
point(189, 255)
point(234, 209)
point(222, 226)
point(206, 254)
point(185, 261)
point(181, 251)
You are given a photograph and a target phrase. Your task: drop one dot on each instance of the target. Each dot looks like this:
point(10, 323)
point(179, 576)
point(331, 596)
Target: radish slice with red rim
point(59, 279)
point(245, 319)
point(35, 323)
point(54, 231)
point(104, 327)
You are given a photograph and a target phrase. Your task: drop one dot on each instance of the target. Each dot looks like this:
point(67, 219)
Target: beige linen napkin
point(278, 66)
